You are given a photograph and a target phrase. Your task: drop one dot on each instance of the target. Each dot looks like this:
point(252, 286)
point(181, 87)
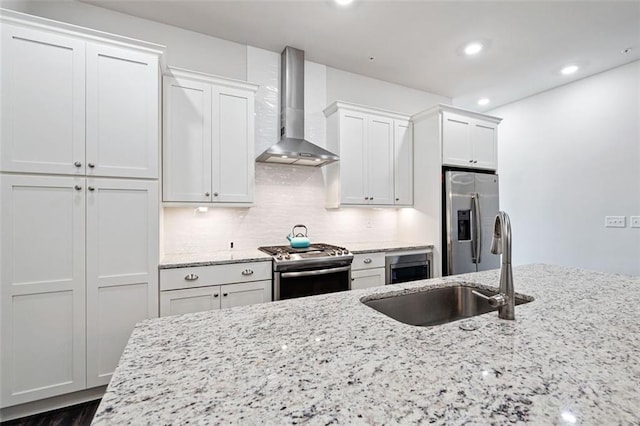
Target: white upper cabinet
point(375, 149)
point(208, 139)
point(187, 140)
point(72, 106)
point(43, 102)
point(122, 112)
point(469, 140)
point(403, 166)
point(233, 136)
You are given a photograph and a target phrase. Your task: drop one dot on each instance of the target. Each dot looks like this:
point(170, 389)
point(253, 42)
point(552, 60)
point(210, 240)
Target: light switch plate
point(615, 222)
point(635, 221)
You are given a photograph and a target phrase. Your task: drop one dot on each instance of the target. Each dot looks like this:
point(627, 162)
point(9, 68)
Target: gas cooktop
point(316, 254)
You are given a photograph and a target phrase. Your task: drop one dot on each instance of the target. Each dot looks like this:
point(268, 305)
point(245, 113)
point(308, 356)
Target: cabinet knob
point(91, 188)
point(371, 198)
point(247, 272)
point(475, 161)
point(471, 161)
point(191, 277)
point(77, 187)
point(77, 164)
point(206, 194)
point(215, 295)
point(397, 199)
point(215, 194)
point(367, 260)
point(366, 198)
point(91, 165)
point(225, 294)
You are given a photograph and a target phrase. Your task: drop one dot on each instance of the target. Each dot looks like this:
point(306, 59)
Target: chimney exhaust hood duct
point(292, 147)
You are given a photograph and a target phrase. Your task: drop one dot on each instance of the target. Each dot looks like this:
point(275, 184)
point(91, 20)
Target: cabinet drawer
point(368, 261)
point(200, 276)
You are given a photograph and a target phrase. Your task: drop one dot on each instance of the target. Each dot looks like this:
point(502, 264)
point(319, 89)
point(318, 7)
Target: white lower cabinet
point(78, 264)
point(177, 302)
point(203, 288)
point(122, 282)
point(43, 287)
point(367, 278)
point(367, 270)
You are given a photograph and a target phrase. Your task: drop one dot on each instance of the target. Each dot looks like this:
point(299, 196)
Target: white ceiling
point(417, 43)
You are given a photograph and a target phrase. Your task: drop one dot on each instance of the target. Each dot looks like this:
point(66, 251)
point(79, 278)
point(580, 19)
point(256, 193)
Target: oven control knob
point(345, 251)
point(279, 257)
point(287, 256)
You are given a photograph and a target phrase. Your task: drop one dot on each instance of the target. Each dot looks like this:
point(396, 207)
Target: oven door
point(310, 282)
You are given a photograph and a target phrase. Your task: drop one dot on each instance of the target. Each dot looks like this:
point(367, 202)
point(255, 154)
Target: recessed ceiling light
point(344, 2)
point(627, 50)
point(569, 69)
point(483, 101)
point(473, 48)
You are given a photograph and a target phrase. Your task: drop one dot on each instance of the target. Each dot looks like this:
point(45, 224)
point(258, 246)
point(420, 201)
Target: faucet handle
point(495, 301)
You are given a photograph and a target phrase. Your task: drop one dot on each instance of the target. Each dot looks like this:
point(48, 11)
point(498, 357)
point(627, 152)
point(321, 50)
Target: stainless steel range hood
point(292, 147)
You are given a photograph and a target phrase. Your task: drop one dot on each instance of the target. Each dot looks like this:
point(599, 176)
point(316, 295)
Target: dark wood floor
point(76, 415)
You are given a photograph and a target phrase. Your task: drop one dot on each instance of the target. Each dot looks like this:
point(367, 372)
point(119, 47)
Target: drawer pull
point(247, 272)
point(191, 277)
point(367, 260)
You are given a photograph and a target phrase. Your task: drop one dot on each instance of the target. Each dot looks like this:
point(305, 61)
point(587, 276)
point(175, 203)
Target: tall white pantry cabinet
point(79, 216)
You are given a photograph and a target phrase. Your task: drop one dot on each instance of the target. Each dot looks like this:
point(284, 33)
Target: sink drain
point(469, 326)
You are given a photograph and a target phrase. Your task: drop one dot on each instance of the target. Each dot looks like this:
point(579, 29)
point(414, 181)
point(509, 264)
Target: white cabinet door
point(403, 170)
point(380, 152)
point(367, 278)
point(187, 141)
point(122, 261)
point(43, 102)
point(456, 140)
point(43, 292)
point(242, 294)
point(233, 145)
point(353, 158)
point(178, 302)
point(122, 112)
point(485, 144)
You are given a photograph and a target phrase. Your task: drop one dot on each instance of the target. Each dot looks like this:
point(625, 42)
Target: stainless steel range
point(317, 269)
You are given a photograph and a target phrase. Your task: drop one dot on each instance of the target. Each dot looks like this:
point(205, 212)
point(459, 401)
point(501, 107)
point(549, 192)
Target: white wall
point(358, 89)
point(185, 49)
point(567, 158)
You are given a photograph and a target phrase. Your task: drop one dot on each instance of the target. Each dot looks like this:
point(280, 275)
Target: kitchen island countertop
point(572, 356)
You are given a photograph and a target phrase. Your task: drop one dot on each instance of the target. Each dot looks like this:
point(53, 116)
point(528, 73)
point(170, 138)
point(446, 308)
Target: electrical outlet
point(635, 221)
point(615, 221)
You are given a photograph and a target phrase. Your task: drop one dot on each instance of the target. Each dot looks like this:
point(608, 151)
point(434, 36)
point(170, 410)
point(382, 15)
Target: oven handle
point(314, 272)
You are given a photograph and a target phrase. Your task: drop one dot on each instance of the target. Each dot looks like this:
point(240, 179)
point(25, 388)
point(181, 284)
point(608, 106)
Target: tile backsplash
point(284, 196)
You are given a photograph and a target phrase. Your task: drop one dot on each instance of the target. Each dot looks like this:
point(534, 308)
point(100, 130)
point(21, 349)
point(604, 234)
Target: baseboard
point(53, 403)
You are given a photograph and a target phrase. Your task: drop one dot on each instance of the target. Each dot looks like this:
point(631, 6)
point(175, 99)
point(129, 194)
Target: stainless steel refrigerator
point(470, 207)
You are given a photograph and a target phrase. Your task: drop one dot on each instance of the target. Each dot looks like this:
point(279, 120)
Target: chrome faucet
point(501, 244)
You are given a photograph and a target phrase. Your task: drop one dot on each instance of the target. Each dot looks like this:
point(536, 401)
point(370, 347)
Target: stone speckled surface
point(571, 356)
point(221, 257)
point(386, 246)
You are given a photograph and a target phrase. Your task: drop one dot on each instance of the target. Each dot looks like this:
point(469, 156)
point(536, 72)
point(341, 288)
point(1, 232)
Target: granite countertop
point(385, 246)
point(184, 260)
point(572, 356)
point(220, 257)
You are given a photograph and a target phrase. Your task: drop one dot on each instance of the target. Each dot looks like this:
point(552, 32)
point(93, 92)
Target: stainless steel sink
point(436, 306)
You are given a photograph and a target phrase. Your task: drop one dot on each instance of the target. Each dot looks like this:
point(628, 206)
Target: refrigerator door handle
point(476, 201)
point(474, 230)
